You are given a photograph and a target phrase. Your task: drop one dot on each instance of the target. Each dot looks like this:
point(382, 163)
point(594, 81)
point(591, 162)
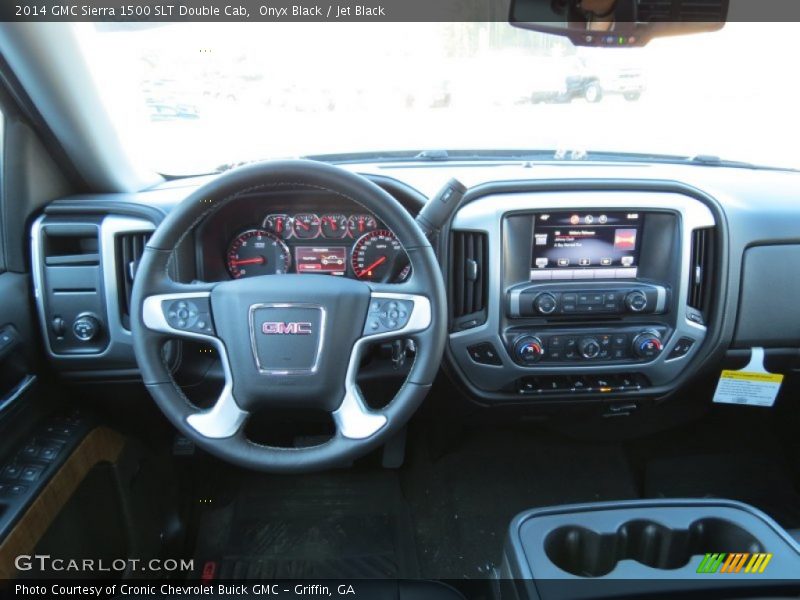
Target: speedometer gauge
point(257, 252)
point(378, 256)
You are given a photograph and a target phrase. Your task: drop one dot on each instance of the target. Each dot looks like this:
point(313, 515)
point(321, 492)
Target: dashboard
point(299, 232)
point(566, 283)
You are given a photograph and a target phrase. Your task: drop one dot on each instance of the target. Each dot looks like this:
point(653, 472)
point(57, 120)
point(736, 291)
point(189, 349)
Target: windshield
point(191, 98)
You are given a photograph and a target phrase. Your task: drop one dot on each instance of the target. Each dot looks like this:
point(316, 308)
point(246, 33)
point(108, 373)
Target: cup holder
point(587, 553)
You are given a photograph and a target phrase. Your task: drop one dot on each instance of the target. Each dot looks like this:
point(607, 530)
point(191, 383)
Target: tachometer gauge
point(257, 252)
point(334, 226)
point(360, 224)
point(378, 256)
point(280, 225)
point(306, 226)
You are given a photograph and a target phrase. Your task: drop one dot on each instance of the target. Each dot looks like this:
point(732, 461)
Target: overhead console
point(581, 293)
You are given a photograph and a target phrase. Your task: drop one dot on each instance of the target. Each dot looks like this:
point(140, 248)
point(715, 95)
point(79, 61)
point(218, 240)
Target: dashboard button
point(681, 348)
point(589, 347)
point(529, 349)
point(619, 340)
point(545, 304)
point(484, 353)
point(636, 301)
point(86, 328)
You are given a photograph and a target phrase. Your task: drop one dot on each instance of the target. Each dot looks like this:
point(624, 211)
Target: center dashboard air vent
point(129, 249)
point(701, 275)
point(469, 251)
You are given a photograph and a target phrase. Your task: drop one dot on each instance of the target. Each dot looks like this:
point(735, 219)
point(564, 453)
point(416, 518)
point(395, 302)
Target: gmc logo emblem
point(281, 328)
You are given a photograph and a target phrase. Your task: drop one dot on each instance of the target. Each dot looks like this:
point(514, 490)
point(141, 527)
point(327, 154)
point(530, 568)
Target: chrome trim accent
point(661, 298)
point(353, 418)
point(110, 227)
point(320, 343)
point(225, 418)
point(487, 214)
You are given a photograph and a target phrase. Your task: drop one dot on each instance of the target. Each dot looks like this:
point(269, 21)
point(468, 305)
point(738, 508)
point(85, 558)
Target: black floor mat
point(760, 480)
point(338, 525)
point(463, 503)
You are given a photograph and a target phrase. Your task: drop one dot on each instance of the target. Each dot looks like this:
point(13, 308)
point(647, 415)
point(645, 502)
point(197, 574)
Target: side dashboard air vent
point(129, 250)
point(701, 273)
point(469, 278)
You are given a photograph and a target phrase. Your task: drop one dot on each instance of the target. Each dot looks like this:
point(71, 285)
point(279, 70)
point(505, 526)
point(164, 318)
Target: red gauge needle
point(258, 260)
point(305, 226)
point(368, 270)
point(332, 222)
point(279, 226)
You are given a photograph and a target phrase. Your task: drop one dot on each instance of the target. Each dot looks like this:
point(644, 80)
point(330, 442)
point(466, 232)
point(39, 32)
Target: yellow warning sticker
point(749, 376)
point(752, 386)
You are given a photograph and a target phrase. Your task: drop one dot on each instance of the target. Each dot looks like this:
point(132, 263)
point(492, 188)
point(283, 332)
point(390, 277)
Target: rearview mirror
point(618, 23)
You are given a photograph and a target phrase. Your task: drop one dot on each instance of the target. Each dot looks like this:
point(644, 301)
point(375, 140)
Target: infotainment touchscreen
point(586, 245)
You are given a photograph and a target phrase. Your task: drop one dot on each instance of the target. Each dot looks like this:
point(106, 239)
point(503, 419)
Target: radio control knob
point(589, 347)
point(647, 344)
point(529, 349)
point(636, 301)
point(545, 304)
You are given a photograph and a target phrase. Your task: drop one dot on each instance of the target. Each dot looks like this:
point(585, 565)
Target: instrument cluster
point(353, 245)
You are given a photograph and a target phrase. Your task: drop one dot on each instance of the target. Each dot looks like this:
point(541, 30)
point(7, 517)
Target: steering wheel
point(288, 341)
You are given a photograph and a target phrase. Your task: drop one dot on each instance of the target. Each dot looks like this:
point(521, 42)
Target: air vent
point(129, 250)
point(701, 272)
point(468, 278)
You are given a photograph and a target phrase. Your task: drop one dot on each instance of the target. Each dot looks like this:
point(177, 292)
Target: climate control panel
point(570, 346)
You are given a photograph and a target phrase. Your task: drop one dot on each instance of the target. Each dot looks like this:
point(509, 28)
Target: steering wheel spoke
point(187, 314)
point(391, 315)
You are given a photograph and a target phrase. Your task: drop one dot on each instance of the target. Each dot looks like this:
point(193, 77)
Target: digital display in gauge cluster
point(352, 245)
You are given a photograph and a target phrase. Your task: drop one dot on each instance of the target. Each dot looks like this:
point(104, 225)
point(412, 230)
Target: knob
point(86, 328)
point(545, 303)
point(589, 347)
point(529, 349)
point(636, 301)
point(647, 344)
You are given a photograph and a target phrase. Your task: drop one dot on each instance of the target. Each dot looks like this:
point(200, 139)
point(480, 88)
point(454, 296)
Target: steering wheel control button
point(86, 328)
point(189, 314)
point(681, 348)
point(647, 345)
point(388, 315)
point(484, 353)
point(529, 350)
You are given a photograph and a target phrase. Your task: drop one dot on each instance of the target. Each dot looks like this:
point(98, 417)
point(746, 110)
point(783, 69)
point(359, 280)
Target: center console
point(586, 293)
point(643, 548)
